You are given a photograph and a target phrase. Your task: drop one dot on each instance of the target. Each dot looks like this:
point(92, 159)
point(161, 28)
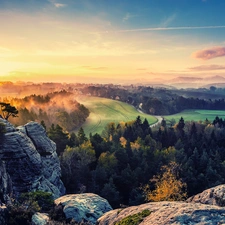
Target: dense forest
point(56, 107)
point(126, 163)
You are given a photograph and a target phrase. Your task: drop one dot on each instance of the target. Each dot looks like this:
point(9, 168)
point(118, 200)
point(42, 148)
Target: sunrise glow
point(110, 41)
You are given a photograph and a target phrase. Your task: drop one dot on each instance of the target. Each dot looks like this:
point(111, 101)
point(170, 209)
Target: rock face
point(169, 213)
point(28, 161)
point(88, 207)
point(212, 196)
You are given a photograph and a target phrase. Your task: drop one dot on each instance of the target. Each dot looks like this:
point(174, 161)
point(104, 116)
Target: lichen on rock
point(88, 207)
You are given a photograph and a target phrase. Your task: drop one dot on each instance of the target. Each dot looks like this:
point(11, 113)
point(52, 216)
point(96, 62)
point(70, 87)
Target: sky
point(111, 40)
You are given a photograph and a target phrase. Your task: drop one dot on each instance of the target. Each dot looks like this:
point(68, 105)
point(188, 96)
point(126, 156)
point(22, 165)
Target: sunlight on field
point(104, 111)
point(197, 115)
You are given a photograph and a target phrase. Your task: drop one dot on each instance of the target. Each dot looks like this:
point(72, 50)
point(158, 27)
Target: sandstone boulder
point(84, 207)
point(212, 196)
point(169, 213)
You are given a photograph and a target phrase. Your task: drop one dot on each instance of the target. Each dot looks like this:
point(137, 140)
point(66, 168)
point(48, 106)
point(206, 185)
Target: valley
point(104, 111)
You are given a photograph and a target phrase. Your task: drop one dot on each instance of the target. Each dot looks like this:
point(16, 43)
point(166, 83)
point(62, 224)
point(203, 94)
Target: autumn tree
point(168, 185)
point(7, 110)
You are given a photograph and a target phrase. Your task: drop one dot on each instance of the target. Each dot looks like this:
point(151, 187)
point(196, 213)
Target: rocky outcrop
point(168, 213)
point(87, 207)
point(28, 161)
point(40, 219)
point(212, 196)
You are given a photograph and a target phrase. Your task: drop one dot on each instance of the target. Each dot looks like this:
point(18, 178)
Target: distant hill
point(197, 82)
point(186, 80)
point(218, 85)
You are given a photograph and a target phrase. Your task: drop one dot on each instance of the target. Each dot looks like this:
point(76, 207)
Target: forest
point(55, 107)
point(129, 161)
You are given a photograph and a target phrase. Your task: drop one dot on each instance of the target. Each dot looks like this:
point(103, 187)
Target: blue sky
point(103, 40)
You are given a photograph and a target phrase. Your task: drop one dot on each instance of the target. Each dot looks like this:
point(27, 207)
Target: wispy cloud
point(170, 28)
point(168, 20)
point(207, 67)
point(210, 53)
point(57, 4)
point(128, 16)
point(94, 68)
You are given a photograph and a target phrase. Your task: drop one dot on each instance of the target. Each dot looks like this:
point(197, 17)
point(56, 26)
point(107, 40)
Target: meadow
point(104, 111)
point(196, 115)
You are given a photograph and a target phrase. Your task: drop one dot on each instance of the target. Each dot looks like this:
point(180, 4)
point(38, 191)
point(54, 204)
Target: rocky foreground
point(165, 213)
point(96, 210)
point(206, 208)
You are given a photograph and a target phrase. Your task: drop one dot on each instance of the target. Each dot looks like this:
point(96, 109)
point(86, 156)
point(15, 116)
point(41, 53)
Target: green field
point(197, 115)
point(104, 111)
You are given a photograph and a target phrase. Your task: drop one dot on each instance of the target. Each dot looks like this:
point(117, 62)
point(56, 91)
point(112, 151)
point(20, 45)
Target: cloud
point(210, 53)
point(168, 28)
point(169, 20)
point(57, 4)
point(128, 16)
point(207, 67)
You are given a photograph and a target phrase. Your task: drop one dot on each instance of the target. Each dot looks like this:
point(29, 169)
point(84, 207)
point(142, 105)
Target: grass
point(197, 115)
point(104, 111)
point(134, 219)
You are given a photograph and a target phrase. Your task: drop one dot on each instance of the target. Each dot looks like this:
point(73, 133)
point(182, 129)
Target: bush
point(43, 199)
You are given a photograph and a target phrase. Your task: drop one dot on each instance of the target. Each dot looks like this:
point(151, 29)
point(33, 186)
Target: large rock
point(167, 213)
point(29, 161)
point(87, 207)
point(40, 219)
point(212, 196)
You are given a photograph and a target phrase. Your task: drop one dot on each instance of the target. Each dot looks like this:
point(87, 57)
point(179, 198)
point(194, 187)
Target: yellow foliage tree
point(168, 186)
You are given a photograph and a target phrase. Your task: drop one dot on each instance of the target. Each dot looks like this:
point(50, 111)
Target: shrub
point(134, 219)
point(43, 199)
point(21, 210)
